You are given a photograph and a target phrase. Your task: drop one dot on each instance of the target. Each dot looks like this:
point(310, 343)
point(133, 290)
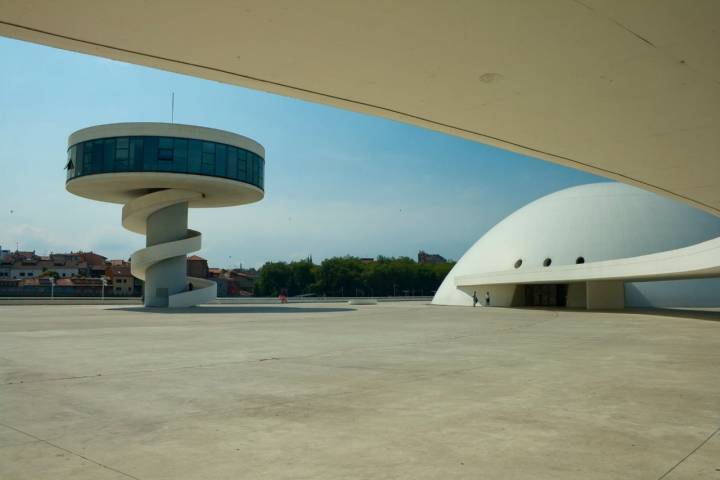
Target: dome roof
point(599, 221)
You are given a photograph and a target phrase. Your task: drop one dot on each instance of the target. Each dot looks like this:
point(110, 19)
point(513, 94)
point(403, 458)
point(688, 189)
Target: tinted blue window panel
point(122, 159)
point(122, 154)
point(257, 175)
point(220, 160)
point(250, 168)
point(97, 156)
point(87, 157)
point(261, 183)
point(166, 154)
point(79, 159)
point(194, 156)
point(165, 142)
point(181, 155)
point(207, 166)
point(259, 168)
point(242, 165)
point(255, 164)
point(109, 155)
point(150, 153)
point(232, 162)
point(165, 158)
point(135, 161)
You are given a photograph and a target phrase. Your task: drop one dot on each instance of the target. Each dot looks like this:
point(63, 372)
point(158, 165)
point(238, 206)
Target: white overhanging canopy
point(627, 89)
point(696, 261)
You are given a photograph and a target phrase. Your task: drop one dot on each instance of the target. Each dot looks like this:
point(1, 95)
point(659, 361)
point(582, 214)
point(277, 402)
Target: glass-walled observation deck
point(165, 154)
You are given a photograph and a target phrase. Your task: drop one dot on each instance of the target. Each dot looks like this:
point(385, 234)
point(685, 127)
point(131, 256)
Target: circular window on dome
point(518, 263)
point(580, 260)
point(547, 262)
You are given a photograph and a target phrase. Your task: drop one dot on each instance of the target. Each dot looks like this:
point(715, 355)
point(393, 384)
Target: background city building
point(424, 257)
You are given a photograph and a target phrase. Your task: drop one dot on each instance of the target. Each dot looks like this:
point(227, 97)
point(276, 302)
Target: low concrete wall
point(69, 301)
point(577, 295)
point(271, 300)
point(606, 295)
point(224, 301)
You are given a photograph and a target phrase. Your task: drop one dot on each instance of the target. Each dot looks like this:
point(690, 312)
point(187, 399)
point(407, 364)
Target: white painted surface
point(121, 187)
point(605, 295)
point(135, 215)
point(165, 130)
point(602, 222)
point(625, 89)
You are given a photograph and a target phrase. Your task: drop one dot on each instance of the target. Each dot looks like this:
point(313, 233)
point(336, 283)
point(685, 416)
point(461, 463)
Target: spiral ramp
point(147, 212)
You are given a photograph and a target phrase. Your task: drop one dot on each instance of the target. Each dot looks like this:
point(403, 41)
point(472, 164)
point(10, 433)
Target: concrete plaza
point(332, 391)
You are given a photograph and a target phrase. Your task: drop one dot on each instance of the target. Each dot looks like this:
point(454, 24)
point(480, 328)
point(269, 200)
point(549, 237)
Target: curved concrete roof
point(621, 232)
point(121, 187)
point(178, 130)
point(628, 90)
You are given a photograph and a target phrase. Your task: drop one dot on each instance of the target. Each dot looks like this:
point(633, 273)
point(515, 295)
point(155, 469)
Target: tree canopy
point(351, 276)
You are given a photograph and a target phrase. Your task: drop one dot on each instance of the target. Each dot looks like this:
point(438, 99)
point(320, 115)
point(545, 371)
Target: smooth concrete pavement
point(395, 390)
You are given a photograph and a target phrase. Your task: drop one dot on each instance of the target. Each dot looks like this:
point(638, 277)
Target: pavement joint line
point(702, 444)
point(87, 459)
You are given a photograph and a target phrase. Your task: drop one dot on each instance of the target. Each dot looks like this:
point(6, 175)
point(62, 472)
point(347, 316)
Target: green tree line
point(351, 276)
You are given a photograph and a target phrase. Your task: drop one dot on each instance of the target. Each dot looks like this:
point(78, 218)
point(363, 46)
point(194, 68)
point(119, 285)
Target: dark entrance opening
point(546, 295)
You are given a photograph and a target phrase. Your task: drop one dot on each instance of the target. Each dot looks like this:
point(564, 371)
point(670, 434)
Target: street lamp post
point(104, 284)
point(52, 288)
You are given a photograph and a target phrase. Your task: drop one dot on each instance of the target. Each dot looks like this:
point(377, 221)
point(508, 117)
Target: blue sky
point(337, 182)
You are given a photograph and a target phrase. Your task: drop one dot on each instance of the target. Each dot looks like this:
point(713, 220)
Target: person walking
point(487, 299)
point(191, 287)
point(475, 299)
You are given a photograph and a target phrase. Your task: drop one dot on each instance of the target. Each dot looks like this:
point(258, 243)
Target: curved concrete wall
point(625, 89)
point(155, 129)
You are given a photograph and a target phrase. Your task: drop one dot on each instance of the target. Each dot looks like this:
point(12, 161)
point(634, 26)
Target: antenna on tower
point(172, 108)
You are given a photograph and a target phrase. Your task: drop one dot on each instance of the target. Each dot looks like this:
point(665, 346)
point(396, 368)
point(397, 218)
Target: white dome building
point(564, 247)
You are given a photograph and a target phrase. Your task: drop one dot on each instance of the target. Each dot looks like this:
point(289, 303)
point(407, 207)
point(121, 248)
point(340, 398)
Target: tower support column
point(168, 276)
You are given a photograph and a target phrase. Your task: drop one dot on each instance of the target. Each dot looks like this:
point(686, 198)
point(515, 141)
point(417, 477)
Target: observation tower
point(158, 171)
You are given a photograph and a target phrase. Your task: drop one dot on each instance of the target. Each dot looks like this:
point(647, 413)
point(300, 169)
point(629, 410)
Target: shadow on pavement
point(712, 315)
point(699, 314)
